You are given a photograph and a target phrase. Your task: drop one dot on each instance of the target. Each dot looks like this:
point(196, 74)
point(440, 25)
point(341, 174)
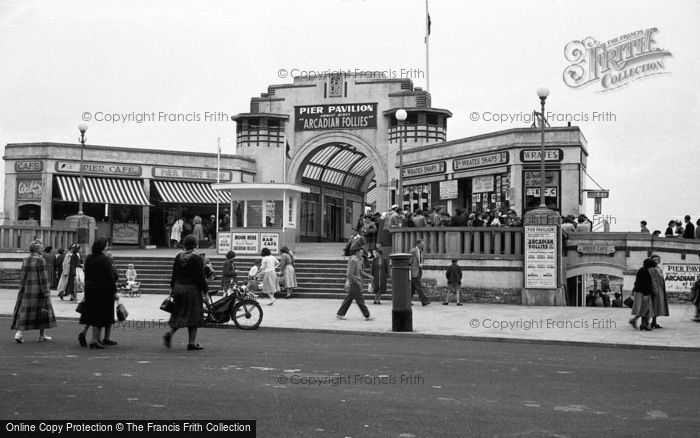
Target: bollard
point(401, 313)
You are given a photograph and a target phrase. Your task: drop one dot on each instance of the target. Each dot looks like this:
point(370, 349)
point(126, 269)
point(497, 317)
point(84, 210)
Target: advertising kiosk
point(261, 215)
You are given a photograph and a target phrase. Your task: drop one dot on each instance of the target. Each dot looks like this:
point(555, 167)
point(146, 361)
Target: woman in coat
point(659, 285)
point(71, 263)
point(643, 293)
point(288, 271)
point(188, 287)
point(176, 233)
point(100, 294)
point(198, 230)
point(267, 267)
point(33, 310)
point(228, 271)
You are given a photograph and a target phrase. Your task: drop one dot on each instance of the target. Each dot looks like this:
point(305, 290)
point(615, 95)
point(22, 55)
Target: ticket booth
point(269, 217)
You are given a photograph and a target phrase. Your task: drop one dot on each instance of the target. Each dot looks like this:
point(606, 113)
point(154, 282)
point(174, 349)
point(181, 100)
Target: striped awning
point(177, 192)
point(102, 190)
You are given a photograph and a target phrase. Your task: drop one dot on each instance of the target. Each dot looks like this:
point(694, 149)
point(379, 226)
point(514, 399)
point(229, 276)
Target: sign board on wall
point(424, 169)
point(270, 241)
point(125, 233)
point(191, 174)
point(224, 242)
point(114, 169)
point(245, 243)
point(532, 155)
point(29, 166)
point(340, 116)
point(541, 256)
point(481, 184)
point(473, 162)
point(449, 189)
point(680, 277)
point(29, 189)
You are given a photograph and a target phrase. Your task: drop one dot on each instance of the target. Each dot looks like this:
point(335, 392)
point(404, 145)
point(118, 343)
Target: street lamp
point(401, 118)
point(82, 128)
point(542, 93)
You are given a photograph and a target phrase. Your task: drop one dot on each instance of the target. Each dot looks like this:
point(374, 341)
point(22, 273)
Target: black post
point(401, 313)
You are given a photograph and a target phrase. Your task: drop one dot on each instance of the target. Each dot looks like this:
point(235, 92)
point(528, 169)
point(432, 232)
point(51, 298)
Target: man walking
point(417, 272)
point(353, 286)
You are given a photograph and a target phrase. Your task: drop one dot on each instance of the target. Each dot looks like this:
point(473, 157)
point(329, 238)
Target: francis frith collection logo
point(614, 63)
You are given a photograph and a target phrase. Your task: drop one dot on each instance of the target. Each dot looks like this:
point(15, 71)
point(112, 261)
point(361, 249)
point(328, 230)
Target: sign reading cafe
point(340, 116)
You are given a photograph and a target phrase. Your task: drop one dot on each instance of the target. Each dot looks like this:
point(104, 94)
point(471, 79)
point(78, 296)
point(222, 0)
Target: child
point(253, 276)
point(454, 281)
point(130, 274)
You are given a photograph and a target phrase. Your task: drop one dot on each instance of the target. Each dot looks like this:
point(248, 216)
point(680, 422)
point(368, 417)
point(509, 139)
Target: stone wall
point(473, 294)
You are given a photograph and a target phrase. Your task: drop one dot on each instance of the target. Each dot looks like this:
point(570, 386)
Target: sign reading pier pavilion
point(340, 116)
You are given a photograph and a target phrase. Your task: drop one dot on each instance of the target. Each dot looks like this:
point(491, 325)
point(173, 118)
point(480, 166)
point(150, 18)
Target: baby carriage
point(129, 289)
point(238, 305)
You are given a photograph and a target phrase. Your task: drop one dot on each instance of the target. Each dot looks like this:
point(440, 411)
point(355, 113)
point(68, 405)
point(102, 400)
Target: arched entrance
point(338, 167)
point(584, 278)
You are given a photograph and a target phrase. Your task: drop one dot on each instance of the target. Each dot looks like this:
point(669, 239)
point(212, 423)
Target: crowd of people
point(676, 229)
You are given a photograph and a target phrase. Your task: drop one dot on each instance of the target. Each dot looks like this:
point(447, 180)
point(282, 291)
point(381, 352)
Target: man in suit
point(417, 272)
point(689, 232)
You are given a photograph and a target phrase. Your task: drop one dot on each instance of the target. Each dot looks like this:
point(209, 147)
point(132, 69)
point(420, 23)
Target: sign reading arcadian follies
point(541, 256)
point(340, 116)
point(616, 62)
point(680, 277)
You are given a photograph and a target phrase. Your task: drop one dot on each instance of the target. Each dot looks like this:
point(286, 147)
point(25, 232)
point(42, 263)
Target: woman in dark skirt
point(100, 294)
point(643, 295)
point(188, 285)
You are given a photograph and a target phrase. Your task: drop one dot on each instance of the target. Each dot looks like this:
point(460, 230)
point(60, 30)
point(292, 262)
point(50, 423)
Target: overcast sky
point(61, 59)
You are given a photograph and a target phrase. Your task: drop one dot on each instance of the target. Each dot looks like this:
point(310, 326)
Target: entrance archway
point(338, 167)
point(585, 277)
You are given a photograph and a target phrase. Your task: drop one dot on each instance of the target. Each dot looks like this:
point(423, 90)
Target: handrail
point(462, 242)
point(18, 237)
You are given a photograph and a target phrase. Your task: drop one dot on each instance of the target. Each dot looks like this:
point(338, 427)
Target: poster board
point(270, 241)
point(245, 243)
point(224, 242)
point(541, 256)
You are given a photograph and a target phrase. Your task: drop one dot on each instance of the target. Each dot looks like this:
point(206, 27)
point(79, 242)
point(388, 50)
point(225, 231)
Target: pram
point(237, 304)
point(129, 289)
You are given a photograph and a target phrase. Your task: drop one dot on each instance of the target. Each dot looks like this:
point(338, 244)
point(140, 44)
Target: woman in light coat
point(267, 267)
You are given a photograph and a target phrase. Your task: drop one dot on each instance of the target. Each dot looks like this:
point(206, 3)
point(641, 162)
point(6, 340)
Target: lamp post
point(542, 93)
point(401, 118)
point(82, 128)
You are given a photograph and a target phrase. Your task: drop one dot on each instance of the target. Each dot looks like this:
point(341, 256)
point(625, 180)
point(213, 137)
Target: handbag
point(629, 301)
point(122, 313)
point(167, 305)
point(370, 287)
point(81, 307)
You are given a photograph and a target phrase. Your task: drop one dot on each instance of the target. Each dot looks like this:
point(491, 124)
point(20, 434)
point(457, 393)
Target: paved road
point(343, 385)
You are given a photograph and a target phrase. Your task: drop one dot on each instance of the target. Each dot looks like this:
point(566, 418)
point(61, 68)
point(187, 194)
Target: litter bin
point(401, 313)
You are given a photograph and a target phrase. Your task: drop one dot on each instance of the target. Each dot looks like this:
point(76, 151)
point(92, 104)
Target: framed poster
point(245, 243)
point(541, 257)
point(224, 244)
point(270, 241)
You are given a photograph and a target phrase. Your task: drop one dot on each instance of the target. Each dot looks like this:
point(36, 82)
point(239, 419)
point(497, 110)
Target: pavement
point(491, 322)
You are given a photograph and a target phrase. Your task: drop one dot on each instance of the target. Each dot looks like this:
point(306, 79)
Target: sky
point(67, 60)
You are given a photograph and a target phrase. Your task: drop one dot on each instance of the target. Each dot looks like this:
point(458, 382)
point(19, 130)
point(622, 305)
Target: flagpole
point(218, 180)
point(427, 48)
point(284, 158)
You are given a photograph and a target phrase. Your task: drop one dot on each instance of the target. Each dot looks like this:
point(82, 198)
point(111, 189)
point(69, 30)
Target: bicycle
point(237, 304)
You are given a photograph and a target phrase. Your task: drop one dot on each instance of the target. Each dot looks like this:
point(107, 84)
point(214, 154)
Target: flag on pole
point(428, 23)
point(288, 149)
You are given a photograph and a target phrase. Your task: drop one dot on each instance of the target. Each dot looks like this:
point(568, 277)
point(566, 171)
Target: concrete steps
point(316, 278)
